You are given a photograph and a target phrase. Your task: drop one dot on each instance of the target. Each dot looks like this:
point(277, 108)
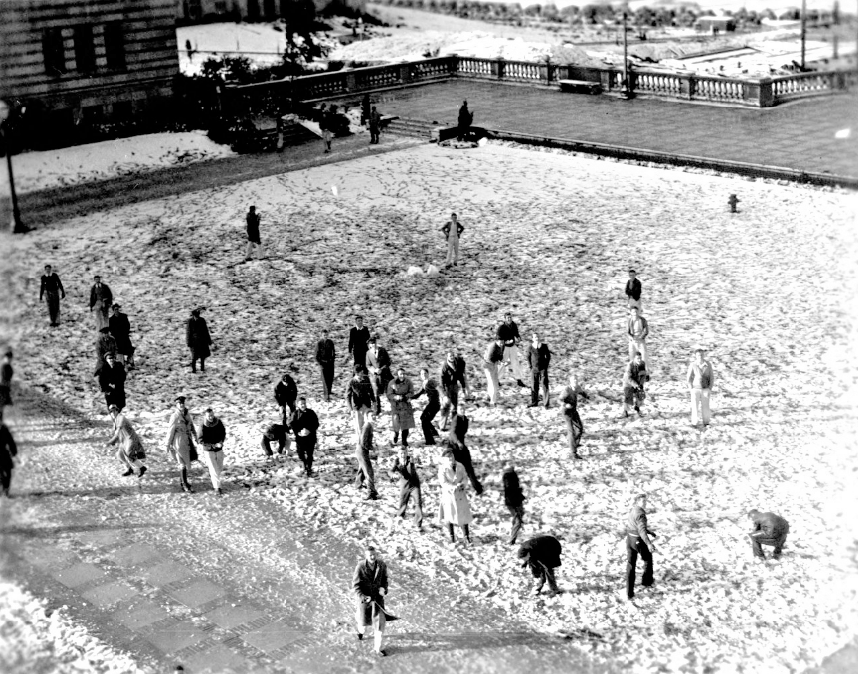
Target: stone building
point(77, 64)
point(195, 11)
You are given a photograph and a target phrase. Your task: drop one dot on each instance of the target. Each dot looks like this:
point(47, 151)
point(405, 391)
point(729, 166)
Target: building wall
point(192, 11)
point(135, 75)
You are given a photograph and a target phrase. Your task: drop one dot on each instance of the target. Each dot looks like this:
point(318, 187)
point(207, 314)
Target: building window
point(114, 45)
point(54, 51)
point(195, 9)
point(84, 49)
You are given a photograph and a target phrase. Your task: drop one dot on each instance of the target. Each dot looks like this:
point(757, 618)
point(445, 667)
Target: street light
point(5, 112)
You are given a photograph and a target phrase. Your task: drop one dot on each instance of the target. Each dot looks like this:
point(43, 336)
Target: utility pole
point(803, 30)
point(627, 92)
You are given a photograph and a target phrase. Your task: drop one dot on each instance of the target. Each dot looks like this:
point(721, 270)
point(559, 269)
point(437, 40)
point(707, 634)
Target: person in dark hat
point(111, 380)
point(52, 287)
point(769, 529)
point(120, 328)
point(305, 425)
point(6, 374)
point(633, 291)
point(100, 299)
point(181, 436)
point(130, 452)
point(199, 340)
point(542, 555)
point(104, 344)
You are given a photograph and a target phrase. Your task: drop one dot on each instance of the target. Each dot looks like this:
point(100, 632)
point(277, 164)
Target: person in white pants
point(508, 333)
point(638, 329)
point(452, 231)
point(212, 434)
point(700, 378)
point(369, 584)
point(492, 359)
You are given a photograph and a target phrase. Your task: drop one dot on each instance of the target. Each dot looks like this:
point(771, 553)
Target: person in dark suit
point(52, 287)
point(542, 555)
point(358, 341)
point(111, 380)
point(633, 291)
point(305, 426)
point(253, 238)
point(569, 409)
point(198, 339)
point(538, 357)
point(409, 485)
point(285, 393)
point(513, 499)
point(100, 299)
point(326, 357)
point(638, 543)
point(120, 328)
point(456, 438)
point(369, 584)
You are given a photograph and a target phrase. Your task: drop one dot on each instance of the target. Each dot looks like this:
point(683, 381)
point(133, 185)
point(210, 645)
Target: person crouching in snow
point(130, 451)
point(542, 555)
point(212, 434)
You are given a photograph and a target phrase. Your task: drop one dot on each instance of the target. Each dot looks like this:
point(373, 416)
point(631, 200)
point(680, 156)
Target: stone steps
point(414, 128)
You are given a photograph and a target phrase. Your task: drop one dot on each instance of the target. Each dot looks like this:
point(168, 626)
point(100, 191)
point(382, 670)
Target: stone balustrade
point(654, 82)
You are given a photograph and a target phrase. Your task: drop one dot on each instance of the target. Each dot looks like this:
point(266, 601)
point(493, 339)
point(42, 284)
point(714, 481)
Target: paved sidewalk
point(798, 135)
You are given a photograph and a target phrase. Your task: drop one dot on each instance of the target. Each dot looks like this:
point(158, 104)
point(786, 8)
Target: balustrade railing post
point(686, 86)
point(606, 76)
point(453, 64)
point(763, 88)
point(351, 81)
point(498, 68)
point(404, 73)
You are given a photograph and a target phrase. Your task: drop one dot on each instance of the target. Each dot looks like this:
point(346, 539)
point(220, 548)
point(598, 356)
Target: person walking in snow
point(452, 377)
point(538, 359)
point(181, 436)
point(100, 299)
point(633, 385)
point(455, 508)
point(359, 341)
point(6, 374)
point(378, 366)
point(254, 242)
point(452, 230)
point(569, 410)
point(542, 555)
point(458, 431)
point(212, 434)
point(369, 584)
point(492, 361)
point(105, 345)
point(198, 339)
point(638, 543)
point(360, 399)
point(400, 391)
point(120, 330)
point(130, 450)
point(700, 378)
point(276, 433)
point(364, 463)
point(285, 393)
point(374, 127)
point(111, 381)
point(433, 405)
point(8, 452)
point(507, 332)
point(409, 485)
point(52, 289)
point(305, 425)
point(326, 356)
point(513, 499)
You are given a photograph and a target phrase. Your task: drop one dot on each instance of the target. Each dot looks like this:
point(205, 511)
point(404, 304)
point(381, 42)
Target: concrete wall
point(192, 11)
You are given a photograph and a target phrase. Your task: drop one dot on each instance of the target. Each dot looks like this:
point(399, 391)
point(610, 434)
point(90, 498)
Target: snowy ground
point(549, 236)
point(108, 159)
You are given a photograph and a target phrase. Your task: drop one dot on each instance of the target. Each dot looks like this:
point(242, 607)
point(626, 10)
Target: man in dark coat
point(6, 374)
point(409, 483)
point(452, 376)
point(104, 344)
point(305, 425)
point(633, 385)
point(638, 543)
point(8, 451)
point(364, 467)
point(456, 436)
point(199, 340)
point(360, 399)
point(111, 379)
point(53, 288)
point(285, 393)
point(433, 404)
point(465, 119)
point(358, 341)
point(253, 239)
point(326, 357)
point(378, 366)
point(513, 499)
point(120, 328)
point(633, 291)
point(369, 584)
point(538, 358)
point(769, 529)
point(100, 299)
point(542, 555)
point(569, 409)
point(374, 127)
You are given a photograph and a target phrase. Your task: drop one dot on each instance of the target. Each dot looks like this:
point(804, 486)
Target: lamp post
point(803, 30)
point(5, 113)
point(626, 91)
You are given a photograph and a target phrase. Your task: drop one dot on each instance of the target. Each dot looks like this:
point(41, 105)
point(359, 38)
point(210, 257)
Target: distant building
point(79, 63)
point(716, 24)
point(196, 11)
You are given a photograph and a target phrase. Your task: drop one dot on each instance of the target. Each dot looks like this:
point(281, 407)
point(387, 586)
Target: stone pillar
point(686, 86)
point(351, 80)
point(606, 77)
point(405, 73)
point(760, 91)
point(545, 72)
point(453, 64)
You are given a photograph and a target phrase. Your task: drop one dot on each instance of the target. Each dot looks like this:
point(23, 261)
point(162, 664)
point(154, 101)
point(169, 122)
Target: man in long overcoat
point(199, 340)
point(181, 436)
point(120, 328)
point(52, 287)
point(369, 584)
point(400, 391)
point(455, 509)
point(111, 380)
point(100, 299)
point(326, 355)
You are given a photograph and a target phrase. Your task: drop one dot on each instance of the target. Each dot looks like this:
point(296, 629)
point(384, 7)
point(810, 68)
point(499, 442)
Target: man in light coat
point(700, 378)
point(130, 452)
point(400, 391)
point(181, 436)
point(369, 584)
point(455, 508)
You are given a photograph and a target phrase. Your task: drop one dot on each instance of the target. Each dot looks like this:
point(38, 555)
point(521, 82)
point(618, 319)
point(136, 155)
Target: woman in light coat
point(130, 450)
point(180, 441)
point(455, 508)
point(400, 391)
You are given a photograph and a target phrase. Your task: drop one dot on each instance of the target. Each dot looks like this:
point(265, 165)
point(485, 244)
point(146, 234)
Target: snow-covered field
point(549, 236)
point(109, 158)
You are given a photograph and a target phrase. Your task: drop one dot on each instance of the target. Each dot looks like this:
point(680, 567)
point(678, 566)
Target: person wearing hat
point(305, 425)
point(700, 378)
point(212, 434)
point(52, 287)
point(8, 451)
point(637, 329)
point(633, 291)
point(285, 393)
point(542, 555)
point(111, 380)
point(105, 345)
point(181, 436)
point(100, 299)
point(638, 543)
point(400, 391)
point(6, 374)
point(120, 328)
point(326, 356)
point(130, 452)
point(253, 239)
point(378, 366)
point(199, 339)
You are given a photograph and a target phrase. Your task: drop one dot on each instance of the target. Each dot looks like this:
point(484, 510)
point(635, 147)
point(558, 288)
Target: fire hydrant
point(733, 201)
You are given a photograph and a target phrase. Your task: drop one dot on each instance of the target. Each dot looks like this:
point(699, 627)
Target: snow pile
point(549, 237)
point(33, 640)
point(109, 159)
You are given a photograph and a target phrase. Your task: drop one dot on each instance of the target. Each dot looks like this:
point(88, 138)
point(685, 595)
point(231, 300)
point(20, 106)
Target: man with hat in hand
point(369, 584)
point(212, 435)
point(111, 380)
point(199, 339)
point(120, 328)
point(181, 436)
point(130, 451)
point(53, 288)
point(305, 425)
point(100, 299)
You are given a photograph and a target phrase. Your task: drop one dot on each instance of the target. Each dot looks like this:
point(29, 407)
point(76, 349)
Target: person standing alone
point(52, 287)
point(199, 340)
point(638, 543)
point(326, 357)
point(452, 231)
point(305, 425)
point(253, 238)
point(538, 357)
point(700, 378)
point(633, 291)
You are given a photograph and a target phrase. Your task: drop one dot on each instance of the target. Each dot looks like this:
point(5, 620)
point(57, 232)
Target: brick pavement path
point(222, 584)
point(798, 135)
